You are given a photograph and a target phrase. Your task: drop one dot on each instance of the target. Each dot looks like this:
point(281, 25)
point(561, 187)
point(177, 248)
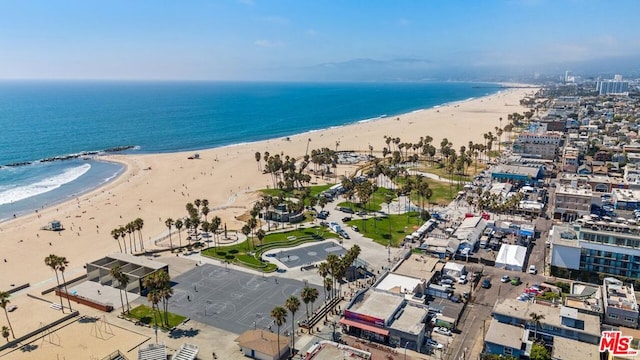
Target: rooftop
point(410, 320)
point(521, 310)
point(264, 342)
point(585, 296)
point(531, 171)
point(398, 283)
point(327, 350)
point(504, 334)
point(567, 349)
point(378, 304)
point(580, 191)
point(626, 195)
point(418, 266)
point(619, 295)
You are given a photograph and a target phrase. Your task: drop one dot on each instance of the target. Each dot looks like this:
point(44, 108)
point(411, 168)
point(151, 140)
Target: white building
point(511, 257)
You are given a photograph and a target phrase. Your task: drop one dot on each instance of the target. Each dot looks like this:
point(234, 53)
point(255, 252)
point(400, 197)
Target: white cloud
point(276, 20)
point(268, 43)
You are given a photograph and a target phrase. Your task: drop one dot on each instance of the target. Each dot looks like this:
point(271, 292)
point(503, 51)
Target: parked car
point(355, 228)
point(434, 344)
point(505, 278)
point(321, 215)
point(346, 210)
point(486, 283)
point(462, 279)
point(515, 280)
point(346, 219)
point(344, 234)
point(533, 270)
point(446, 282)
point(442, 330)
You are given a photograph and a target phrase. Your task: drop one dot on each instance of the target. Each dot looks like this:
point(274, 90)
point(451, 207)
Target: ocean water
point(50, 119)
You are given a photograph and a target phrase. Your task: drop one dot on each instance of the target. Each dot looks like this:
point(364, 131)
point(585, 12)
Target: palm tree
point(61, 265)
point(51, 261)
point(279, 315)
point(535, 319)
point(5, 332)
point(139, 224)
point(129, 228)
point(123, 233)
point(169, 223)
point(116, 236)
point(4, 302)
point(323, 271)
point(246, 230)
point(309, 295)
point(116, 273)
point(178, 224)
point(260, 234)
point(292, 304)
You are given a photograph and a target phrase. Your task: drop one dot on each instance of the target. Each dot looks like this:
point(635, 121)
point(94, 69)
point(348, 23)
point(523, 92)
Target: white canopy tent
point(511, 257)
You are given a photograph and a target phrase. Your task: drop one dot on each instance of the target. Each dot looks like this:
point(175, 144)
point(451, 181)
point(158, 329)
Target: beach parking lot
point(234, 300)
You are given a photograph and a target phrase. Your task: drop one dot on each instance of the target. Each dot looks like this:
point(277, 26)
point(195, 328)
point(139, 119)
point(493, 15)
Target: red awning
point(364, 326)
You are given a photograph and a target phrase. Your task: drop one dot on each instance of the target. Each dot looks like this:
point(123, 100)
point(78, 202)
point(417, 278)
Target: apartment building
point(602, 247)
point(620, 305)
point(572, 202)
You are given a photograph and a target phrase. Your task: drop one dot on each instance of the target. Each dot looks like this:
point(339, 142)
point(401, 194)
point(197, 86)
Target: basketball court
point(233, 300)
point(306, 255)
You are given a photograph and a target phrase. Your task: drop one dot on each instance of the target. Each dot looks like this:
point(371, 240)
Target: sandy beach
point(156, 187)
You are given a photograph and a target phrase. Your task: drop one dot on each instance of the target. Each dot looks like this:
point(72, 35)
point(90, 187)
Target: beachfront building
point(469, 232)
point(263, 345)
point(572, 202)
point(516, 174)
point(137, 268)
point(386, 318)
point(560, 321)
point(620, 305)
point(604, 247)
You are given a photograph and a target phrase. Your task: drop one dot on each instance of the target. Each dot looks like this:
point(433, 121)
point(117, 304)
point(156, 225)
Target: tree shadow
point(28, 348)
point(88, 319)
point(180, 333)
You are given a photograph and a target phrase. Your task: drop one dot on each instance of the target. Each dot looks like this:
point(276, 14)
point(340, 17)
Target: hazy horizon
point(302, 40)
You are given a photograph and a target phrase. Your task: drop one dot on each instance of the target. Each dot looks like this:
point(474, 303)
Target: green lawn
point(377, 202)
point(390, 228)
point(145, 314)
point(439, 192)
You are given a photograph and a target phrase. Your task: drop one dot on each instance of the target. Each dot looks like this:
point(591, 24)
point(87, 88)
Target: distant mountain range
point(412, 69)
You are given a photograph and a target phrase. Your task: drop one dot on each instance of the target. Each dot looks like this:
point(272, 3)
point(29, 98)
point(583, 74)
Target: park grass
point(378, 199)
point(389, 229)
point(240, 253)
point(144, 314)
point(442, 193)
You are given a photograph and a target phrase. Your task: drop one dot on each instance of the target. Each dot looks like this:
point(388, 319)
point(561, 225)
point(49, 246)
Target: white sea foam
point(43, 186)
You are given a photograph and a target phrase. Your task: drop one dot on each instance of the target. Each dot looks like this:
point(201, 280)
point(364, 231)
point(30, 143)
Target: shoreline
point(157, 186)
point(136, 150)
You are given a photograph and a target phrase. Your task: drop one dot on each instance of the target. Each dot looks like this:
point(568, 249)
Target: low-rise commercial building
point(620, 305)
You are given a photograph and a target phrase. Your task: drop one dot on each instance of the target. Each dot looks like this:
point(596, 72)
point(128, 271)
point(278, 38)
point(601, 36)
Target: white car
point(533, 270)
point(434, 344)
point(462, 279)
point(442, 330)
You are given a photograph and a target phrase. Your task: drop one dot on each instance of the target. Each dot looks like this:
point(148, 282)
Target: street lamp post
point(405, 350)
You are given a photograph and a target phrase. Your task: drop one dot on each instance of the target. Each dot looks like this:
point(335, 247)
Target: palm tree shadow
point(88, 319)
point(180, 333)
point(28, 348)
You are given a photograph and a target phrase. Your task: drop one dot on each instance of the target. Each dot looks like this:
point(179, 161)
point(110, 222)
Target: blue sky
point(256, 39)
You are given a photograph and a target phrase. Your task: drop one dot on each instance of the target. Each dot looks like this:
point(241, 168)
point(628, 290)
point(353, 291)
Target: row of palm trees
point(194, 221)
point(334, 269)
point(159, 292)
point(120, 233)
point(59, 264)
